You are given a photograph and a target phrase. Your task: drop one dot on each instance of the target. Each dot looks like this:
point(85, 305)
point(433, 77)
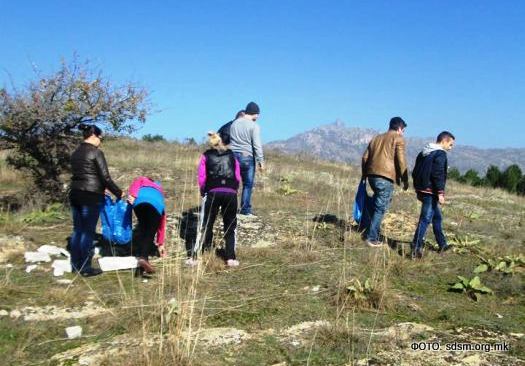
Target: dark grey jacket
point(90, 171)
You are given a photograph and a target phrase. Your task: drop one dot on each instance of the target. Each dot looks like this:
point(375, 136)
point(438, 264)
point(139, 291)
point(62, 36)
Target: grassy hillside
point(299, 296)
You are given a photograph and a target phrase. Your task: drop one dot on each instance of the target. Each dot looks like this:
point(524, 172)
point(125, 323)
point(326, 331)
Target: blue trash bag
point(116, 221)
point(362, 204)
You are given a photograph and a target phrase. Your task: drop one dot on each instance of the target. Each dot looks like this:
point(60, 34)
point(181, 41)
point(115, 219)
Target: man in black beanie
point(245, 142)
point(252, 109)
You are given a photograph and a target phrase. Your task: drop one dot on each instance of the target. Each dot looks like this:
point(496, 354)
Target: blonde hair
point(215, 141)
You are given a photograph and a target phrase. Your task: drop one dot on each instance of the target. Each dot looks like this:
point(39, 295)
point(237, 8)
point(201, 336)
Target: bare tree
point(39, 123)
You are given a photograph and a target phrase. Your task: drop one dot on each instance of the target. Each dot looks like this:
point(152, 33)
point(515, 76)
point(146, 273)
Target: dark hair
point(445, 135)
point(397, 122)
point(89, 130)
point(239, 114)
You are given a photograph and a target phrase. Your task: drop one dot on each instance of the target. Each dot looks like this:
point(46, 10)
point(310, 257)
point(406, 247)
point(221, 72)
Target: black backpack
point(224, 132)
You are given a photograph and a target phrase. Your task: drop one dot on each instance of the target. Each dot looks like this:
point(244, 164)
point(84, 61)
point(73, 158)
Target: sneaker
point(140, 272)
point(190, 262)
point(444, 249)
point(143, 263)
point(416, 254)
point(374, 244)
point(91, 272)
point(248, 216)
point(232, 263)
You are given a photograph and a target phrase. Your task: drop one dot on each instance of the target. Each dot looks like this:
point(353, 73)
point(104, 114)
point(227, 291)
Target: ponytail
point(89, 130)
point(215, 142)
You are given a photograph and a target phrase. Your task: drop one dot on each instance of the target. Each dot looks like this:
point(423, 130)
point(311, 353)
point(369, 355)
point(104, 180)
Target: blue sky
point(456, 65)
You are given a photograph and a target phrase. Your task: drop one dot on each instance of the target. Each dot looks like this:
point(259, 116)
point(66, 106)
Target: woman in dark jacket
point(90, 178)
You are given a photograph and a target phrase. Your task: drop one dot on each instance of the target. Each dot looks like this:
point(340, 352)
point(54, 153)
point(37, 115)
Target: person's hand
point(441, 199)
point(260, 167)
point(131, 199)
point(107, 192)
point(405, 186)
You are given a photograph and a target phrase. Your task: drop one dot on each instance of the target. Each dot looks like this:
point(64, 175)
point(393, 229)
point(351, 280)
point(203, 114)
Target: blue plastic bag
point(116, 221)
point(361, 202)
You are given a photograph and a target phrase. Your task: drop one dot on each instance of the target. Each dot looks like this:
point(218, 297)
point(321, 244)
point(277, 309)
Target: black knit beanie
point(252, 108)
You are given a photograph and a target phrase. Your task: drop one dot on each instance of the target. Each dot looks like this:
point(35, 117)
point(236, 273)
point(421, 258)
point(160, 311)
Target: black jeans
point(148, 223)
point(227, 203)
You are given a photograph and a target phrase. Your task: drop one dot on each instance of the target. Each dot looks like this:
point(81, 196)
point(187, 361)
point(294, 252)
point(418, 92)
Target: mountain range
point(338, 142)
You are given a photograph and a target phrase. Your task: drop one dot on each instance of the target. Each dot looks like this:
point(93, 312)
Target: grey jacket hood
point(431, 147)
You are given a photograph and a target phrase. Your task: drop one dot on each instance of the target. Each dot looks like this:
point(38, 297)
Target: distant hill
point(338, 142)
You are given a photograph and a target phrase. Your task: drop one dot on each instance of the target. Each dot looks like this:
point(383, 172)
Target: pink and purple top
point(134, 189)
point(202, 175)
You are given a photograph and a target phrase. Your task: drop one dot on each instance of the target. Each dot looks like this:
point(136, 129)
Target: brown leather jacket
point(385, 157)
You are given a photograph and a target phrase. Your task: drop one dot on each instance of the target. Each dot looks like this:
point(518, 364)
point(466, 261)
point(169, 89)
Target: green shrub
point(153, 138)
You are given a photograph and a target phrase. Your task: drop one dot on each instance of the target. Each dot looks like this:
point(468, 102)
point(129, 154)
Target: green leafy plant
point(506, 265)
point(365, 294)
point(52, 213)
point(359, 291)
point(472, 287)
point(286, 188)
point(465, 244)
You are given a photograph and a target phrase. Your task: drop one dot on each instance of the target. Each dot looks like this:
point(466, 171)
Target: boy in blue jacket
point(430, 178)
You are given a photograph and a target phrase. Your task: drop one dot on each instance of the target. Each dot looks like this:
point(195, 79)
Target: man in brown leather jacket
point(384, 162)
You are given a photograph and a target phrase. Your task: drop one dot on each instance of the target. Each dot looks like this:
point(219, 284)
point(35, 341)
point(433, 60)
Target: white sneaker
point(190, 262)
point(248, 216)
point(232, 263)
point(374, 244)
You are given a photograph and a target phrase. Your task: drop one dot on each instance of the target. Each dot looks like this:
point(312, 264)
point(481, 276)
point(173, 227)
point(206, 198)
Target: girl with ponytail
point(218, 177)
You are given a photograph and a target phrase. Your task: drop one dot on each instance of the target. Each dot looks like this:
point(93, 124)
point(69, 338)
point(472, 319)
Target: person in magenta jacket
point(147, 198)
point(219, 174)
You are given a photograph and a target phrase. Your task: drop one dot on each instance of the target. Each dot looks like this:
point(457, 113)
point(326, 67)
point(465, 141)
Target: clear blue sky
point(457, 65)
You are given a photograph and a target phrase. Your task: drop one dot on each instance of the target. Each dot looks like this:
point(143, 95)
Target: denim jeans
point(247, 164)
point(85, 220)
point(383, 189)
point(430, 213)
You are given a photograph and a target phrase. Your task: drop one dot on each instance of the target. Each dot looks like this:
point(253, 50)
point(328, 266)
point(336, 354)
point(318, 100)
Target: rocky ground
point(293, 300)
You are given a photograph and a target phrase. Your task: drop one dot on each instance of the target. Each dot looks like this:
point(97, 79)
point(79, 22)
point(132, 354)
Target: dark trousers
point(85, 218)
point(148, 222)
point(227, 204)
point(430, 214)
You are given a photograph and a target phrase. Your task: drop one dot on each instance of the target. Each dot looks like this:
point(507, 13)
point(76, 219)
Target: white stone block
point(117, 263)
point(74, 332)
point(53, 250)
point(35, 257)
point(60, 266)
point(30, 268)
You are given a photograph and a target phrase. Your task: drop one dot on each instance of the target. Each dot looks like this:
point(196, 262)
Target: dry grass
point(8, 176)
point(273, 287)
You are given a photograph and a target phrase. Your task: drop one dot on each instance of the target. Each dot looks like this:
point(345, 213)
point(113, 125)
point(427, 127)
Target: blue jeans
point(247, 164)
point(430, 213)
point(383, 190)
point(85, 220)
